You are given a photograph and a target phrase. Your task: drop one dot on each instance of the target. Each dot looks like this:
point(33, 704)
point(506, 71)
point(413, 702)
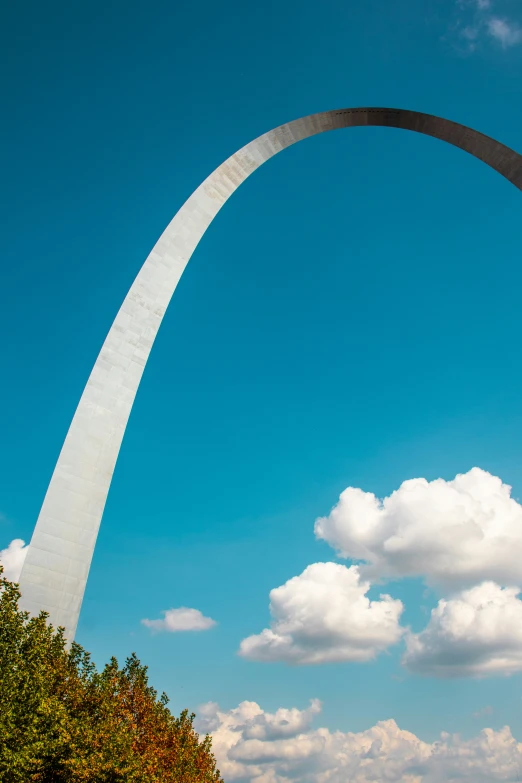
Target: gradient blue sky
point(352, 317)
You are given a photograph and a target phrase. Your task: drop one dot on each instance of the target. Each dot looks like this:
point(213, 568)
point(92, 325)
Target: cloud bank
point(452, 533)
point(181, 619)
point(382, 753)
point(324, 616)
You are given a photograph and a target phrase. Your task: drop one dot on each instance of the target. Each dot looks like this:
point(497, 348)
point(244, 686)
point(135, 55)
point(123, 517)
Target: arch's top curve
point(55, 572)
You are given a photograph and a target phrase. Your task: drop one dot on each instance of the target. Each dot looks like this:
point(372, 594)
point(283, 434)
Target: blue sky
point(351, 318)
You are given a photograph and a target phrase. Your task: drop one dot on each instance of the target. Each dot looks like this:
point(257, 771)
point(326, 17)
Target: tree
point(62, 721)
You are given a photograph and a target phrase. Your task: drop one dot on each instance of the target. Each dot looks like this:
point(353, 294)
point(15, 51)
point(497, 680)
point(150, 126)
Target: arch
point(57, 564)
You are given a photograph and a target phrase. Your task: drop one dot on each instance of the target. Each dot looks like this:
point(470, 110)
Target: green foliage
point(62, 721)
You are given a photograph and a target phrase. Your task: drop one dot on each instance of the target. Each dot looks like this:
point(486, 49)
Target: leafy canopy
point(62, 721)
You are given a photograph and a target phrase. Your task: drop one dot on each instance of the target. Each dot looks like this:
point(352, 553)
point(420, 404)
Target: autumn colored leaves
point(62, 721)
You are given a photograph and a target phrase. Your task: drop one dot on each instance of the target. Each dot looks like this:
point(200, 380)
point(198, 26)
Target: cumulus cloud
point(12, 559)
point(181, 619)
point(453, 533)
point(475, 633)
point(383, 752)
point(324, 616)
point(261, 725)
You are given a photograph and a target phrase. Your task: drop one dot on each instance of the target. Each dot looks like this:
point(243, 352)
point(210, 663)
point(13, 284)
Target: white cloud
point(507, 33)
point(324, 616)
point(181, 619)
point(475, 633)
point(12, 559)
point(477, 21)
point(452, 533)
point(261, 725)
point(381, 753)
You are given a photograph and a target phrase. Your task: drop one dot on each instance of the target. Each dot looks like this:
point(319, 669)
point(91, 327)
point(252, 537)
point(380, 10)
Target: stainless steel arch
point(55, 572)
